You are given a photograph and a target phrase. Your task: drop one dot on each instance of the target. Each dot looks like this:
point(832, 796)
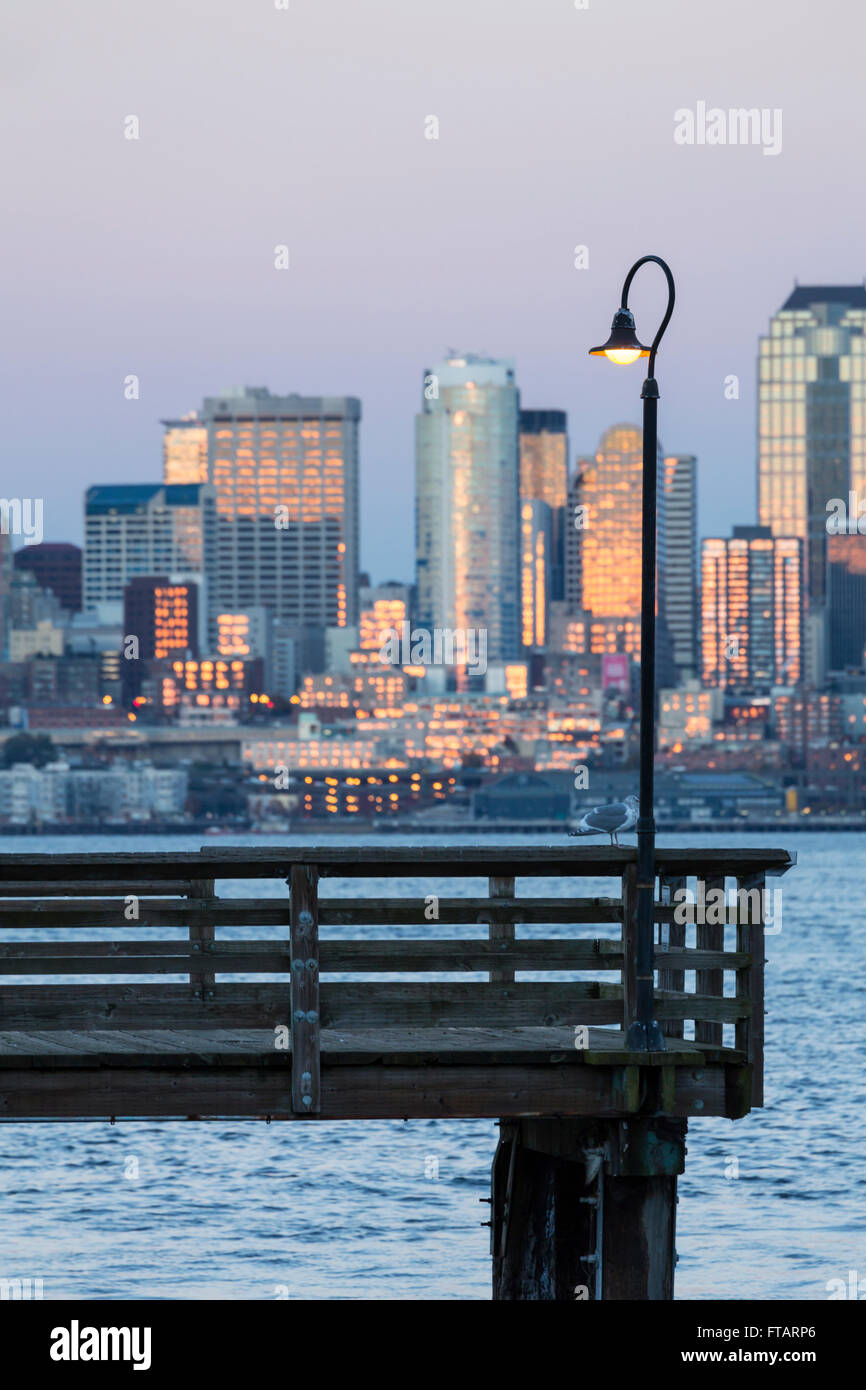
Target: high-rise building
point(141, 529)
point(812, 426)
point(544, 478)
point(681, 554)
point(536, 533)
point(56, 565)
point(609, 488)
point(285, 532)
point(466, 488)
point(846, 602)
point(607, 498)
point(184, 450)
point(752, 610)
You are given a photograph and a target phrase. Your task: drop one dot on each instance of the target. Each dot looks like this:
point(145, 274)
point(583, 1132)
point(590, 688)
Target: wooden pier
point(299, 1024)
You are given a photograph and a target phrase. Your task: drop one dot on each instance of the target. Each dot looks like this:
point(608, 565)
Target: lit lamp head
point(622, 346)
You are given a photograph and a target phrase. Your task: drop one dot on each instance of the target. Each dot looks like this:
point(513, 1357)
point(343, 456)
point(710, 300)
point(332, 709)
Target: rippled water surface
point(771, 1206)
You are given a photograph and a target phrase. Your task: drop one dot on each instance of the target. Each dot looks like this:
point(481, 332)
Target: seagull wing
point(608, 818)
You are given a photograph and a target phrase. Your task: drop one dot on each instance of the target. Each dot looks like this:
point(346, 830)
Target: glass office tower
point(466, 491)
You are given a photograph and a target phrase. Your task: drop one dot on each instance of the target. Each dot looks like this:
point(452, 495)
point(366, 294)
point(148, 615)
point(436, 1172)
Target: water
point(771, 1207)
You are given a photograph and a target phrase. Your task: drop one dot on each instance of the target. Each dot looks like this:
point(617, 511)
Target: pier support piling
point(585, 1209)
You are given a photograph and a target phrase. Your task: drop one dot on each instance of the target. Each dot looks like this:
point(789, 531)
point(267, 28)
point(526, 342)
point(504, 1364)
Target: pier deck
point(301, 1023)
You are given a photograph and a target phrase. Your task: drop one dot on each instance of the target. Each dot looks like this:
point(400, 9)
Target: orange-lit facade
point(543, 457)
point(382, 609)
point(162, 615)
point(285, 532)
point(752, 610)
point(610, 488)
point(535, 572)
point(184, 450)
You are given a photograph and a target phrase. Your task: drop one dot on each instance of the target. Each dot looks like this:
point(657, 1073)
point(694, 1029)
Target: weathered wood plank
point(501, 932)
point(750, 987)
point(335, 957)
point(305, 1007)
point(349, 1093)
point(377, 861)
point(415, 1046)
point(336, 912)
point(629, 943)
point(201, 932)
point(672, 938)
point(710, 937)
point(341, 1005)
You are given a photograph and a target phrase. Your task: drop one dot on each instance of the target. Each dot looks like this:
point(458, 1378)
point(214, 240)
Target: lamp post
point(623, 347)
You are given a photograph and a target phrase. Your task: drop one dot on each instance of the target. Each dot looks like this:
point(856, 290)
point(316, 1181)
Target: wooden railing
point(177, 894)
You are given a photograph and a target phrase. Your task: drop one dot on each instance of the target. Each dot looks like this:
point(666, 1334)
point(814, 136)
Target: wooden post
point(201, 890)
point(710, 936)
point(304, 920)
point(499, 930)
point(586, 1209)
point(673, 934)
point(750, 980)
point(629, 944)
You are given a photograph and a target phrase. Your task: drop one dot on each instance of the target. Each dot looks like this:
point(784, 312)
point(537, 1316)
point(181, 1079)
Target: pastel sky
point(306, 126)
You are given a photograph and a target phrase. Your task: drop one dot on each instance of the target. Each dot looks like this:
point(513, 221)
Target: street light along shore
point(624, 347)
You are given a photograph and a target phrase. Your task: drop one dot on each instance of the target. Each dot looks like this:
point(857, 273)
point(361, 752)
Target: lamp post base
point(645, 1037)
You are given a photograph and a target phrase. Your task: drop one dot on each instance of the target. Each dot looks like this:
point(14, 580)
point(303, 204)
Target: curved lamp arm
point(671, 297)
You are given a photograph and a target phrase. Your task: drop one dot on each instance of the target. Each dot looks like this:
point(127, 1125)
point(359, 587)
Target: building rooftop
point(118, 497)
point(804, 296)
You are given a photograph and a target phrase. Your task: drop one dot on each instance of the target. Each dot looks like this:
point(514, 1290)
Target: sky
point(305, 126)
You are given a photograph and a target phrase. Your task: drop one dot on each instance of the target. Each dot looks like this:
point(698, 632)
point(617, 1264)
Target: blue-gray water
point(347, 1210)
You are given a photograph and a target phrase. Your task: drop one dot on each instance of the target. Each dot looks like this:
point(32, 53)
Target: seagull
point(611, 818)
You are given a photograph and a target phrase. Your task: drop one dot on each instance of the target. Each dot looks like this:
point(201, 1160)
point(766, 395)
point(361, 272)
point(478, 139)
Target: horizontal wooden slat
point(249, 1006)
point(378, 861)
point(704, 1008)
point(336, 912)
point(690, 958)
point(337, 957)
point(43, 884)
point(351, 1092)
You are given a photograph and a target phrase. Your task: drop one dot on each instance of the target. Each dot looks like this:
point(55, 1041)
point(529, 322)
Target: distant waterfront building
point(56, 565)
point(752, 610)
point(812, 426)
point(163, 615)
point(846, 602)
point(544, 478)
point(681, 557)
point(466, 487)
point(141, 529)
point(382, 607)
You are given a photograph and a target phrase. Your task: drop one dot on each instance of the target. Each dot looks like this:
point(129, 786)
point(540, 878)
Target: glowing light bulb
point(622, 356)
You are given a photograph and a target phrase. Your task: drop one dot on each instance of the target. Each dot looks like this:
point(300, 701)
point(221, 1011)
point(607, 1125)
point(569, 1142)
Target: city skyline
point(402, 245)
